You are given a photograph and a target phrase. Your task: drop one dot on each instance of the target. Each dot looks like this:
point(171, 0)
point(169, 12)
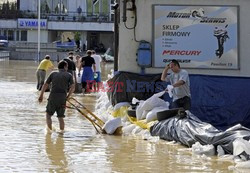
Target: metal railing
point(4, 54)
point(69, 16)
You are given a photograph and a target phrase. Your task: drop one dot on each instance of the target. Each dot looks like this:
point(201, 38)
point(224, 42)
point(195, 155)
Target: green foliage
point(77, 36)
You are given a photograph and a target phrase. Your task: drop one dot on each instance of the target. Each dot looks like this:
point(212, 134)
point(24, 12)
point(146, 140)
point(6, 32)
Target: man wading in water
point(61, 81)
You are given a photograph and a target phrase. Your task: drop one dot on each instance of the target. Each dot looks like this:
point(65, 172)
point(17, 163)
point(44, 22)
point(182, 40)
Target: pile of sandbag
point(149, 108)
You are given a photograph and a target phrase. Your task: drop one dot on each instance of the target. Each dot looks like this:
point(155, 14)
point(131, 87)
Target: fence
point(4, 54)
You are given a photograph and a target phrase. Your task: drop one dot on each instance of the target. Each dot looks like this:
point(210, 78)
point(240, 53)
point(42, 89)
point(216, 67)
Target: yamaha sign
point(31, 23)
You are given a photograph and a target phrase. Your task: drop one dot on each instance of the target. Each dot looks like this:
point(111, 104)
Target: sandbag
point(147, 105)
point(152, 115)
point(111, 125)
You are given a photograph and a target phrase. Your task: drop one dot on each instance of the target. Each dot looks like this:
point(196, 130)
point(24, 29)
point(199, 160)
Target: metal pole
point(116, 37)
point(39, 30)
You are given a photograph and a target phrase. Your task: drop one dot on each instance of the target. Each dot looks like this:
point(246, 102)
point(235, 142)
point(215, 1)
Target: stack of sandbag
point(148, 109)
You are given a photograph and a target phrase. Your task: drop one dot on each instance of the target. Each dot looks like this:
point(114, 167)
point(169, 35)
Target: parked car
point(4, 43)
point(108, 56)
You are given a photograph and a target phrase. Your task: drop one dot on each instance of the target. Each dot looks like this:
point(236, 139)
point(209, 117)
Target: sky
point(4, 1)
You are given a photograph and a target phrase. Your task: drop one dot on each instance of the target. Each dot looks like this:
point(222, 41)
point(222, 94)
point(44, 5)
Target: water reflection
point(56, 154)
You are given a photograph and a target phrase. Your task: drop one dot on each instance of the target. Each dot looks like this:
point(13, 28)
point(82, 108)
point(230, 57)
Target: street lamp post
point(39, 30)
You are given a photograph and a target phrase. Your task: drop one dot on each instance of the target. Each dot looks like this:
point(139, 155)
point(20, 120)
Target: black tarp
point(190, 129)
point(219, 100)
point(127, 85)
point(220, 106)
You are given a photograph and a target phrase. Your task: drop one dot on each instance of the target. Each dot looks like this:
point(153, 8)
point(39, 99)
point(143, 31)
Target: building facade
point(174, 32)
point(210, 40)
point(60, 20)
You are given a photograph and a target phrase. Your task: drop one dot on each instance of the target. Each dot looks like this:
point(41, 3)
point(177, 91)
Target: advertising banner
point(196, 36)
point(31, 23)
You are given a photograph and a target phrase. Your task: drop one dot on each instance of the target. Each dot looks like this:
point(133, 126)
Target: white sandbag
point(128, 129)
point(149, 104)
point(144, 114)
point(107, 105)
point(136, 130)
point(245, 165)
point(240, 145)
point(135, 100)
point(111, 125)
point(119, 105)
point(154, 101)
point(139, 110)
point(152, 115)
point(199, 149)
point(220, 151)
point(159, 94)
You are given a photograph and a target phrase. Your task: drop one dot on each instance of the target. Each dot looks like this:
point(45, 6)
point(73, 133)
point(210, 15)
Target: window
point(60, 6)
point(5, 33)
point(11, 35)
point(17, 36)
point(23, 35)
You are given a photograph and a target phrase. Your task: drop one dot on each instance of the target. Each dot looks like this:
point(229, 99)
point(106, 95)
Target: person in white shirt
point(180, 85)
point(97, 75)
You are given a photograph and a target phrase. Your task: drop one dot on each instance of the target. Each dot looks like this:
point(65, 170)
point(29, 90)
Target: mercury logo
point(181, 52)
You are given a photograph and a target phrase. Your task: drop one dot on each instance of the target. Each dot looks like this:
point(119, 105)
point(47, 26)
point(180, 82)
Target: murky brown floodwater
point(26, 146)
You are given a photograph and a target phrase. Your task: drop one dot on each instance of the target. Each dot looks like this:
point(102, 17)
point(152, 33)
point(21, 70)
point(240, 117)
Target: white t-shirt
point(98, 60)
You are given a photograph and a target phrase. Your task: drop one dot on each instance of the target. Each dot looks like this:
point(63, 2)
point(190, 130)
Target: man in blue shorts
point(61, 80)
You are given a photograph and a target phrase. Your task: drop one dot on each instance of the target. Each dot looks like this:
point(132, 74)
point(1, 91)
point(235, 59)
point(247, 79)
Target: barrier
point(4, 54)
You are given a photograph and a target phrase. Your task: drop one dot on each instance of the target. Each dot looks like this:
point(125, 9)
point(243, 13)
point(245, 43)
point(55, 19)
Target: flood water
point(26, 146)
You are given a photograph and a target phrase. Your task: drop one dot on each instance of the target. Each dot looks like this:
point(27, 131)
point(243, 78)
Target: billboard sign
point(196, 36)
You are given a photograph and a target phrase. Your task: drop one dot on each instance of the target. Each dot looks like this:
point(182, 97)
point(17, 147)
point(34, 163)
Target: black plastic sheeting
point(126, 85)
point(219, 100)
point(190, 129)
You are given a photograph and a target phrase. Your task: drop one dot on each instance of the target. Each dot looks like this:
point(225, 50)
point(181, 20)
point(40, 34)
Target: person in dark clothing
point(71, 65)
point(88, 75)
point(61, 81)
point(78, 45)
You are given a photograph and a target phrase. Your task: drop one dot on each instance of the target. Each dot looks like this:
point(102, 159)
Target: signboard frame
point(23, 23)
point(181, 33)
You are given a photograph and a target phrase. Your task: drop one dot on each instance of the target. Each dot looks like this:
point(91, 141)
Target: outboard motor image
point(222, 35)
